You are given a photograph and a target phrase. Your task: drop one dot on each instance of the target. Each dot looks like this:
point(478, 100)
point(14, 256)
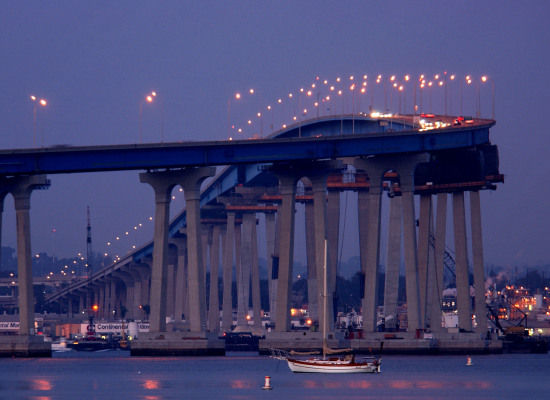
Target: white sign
point(113, 327)
point(9, 326)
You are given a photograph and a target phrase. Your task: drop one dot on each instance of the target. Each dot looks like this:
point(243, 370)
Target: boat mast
point(325, 301)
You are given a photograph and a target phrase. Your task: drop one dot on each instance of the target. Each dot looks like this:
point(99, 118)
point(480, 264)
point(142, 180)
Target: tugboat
point(91, 342)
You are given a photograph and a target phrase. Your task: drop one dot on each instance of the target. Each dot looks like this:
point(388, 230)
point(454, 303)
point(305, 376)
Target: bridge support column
point(270, 246)
point(206, 240)
point(107, 312)
point(22, 190)
point(275, 268)
point(101, 300)
point(393, 262)
point(479, 272)
point(312, 281)
point(81, 302)
point(243, 277)
point(180, 297)
point(241, 310)
point(89, 299)
point(249, 277)
point(69, 307)
point(439, 256)
point(462, 279)
point(287, 189)
point(214, 303)
point(410, 248)
point(162, 183)
point(372, 240)
point(424, 233)
point(333, 232)
point(128, 300)
point(229, 244)
point(362, 216)
point(114, 301)
point(319, 187)
point(191, 183)
point(171, 283)
point(3, 193)
point(432, 276)
point(255, 278)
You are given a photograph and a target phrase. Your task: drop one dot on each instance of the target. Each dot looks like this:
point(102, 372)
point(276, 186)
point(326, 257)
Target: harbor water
point(116, 375)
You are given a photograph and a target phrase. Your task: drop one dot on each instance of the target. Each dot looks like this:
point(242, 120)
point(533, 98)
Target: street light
point(236, 96)
point(150, 98)
point(36, 102)
point(485, 79)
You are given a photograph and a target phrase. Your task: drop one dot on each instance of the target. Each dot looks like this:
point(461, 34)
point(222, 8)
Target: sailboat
point(346, 364)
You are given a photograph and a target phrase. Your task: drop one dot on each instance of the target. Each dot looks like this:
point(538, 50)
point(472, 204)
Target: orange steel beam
point(230, 207)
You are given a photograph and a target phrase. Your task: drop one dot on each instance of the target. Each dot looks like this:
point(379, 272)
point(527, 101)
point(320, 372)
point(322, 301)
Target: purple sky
point(95, 61)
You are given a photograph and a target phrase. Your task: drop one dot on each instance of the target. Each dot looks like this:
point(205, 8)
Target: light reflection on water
point(116, 375)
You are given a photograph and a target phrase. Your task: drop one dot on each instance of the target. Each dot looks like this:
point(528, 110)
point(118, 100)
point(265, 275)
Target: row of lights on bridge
point(336, 89)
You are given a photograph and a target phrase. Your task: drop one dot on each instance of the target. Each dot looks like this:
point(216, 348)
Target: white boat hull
point(333, 366)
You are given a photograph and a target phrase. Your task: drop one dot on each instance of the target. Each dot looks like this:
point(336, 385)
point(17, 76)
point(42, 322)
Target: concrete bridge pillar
point(249, 278)
point(81, 302)
point(107, 312)
point(97, 298)
point(375, 172)
point(393, 262)
point(101, 300)
point(214, 303)
point(247, 261)
point(275, 268)
point(116, 300)
point(463, 301)
point(180, 298)
point(138, 273)
point(241, 299)
point(126, 301)
point(283, 269)
point(146, 291)
point(191, 182)
point(3, 193)
point(312, 281)
point(270, 247)
point(325, 269)
point(229, 244)
point(424, 254)
point(171, 283)
point(89, 298)
point(162, 183)
point(406, 175)
point(70, 310)
point(206, 240)
point(333, 232)
point(439, 255)
point(479, 272)
point(362, 217)
point(432, 277)
point(22, 189)
point(255, 278)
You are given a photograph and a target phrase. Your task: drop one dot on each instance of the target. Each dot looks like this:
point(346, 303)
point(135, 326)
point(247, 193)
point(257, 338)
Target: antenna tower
point(89, 268)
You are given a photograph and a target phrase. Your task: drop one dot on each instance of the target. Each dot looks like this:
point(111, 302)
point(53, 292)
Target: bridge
point(404, 155)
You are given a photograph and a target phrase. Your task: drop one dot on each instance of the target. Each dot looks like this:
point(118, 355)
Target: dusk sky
point(94, 62)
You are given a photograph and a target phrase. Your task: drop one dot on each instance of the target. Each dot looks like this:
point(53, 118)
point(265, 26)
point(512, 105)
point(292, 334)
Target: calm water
point(115, 375)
